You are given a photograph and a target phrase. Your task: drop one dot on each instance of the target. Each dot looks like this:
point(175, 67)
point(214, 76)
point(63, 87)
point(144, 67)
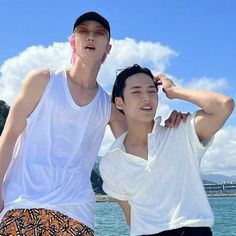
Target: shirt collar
point(119, 142)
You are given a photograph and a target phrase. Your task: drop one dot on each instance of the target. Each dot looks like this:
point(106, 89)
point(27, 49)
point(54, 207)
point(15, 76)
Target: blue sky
point(202, 32)
point(192, 41)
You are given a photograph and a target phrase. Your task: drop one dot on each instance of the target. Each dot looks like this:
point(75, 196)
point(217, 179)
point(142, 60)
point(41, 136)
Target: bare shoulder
point(35, 83)
point(32, 89)
point(30, 94)
point(37, 77)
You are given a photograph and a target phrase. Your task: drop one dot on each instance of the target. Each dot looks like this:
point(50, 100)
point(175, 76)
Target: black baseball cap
point(95, 17)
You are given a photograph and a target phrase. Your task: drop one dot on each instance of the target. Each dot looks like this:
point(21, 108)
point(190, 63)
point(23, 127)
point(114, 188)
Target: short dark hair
point(120, 82)
point(95, 17)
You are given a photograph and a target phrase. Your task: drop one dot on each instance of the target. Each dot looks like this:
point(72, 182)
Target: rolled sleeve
point(199, 147)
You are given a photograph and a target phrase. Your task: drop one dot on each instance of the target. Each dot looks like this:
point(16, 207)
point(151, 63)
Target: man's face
point(91, 40)
point(140, 98)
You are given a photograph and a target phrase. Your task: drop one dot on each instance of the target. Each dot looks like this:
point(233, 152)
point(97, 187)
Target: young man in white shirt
point(153, 171)
point(52, 137)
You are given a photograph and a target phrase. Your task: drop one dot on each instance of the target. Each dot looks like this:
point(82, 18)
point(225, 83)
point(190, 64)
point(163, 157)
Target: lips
point(90, 47)
point(146, 108)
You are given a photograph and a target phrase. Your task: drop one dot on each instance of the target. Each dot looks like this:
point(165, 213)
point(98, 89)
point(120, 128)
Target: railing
point(225, 189)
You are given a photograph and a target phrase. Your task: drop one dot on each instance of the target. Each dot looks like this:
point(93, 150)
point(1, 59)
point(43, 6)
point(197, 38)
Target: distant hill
point(96, 179)
point(208, 182)
point(219, 178)
point(4, 110)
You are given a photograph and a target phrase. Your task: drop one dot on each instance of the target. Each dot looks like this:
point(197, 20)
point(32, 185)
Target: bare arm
point(215, 107)
point(117, 122)
point(23, 106)
point(126, 209)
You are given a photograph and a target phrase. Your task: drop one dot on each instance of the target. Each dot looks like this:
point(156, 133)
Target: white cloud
point(127, 52)
point(107, 141)
point(15, 69)
point(221, 158)
point(206, 83)
point(124, 53)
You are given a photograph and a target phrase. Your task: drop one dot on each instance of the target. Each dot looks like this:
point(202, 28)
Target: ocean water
point(109, 219)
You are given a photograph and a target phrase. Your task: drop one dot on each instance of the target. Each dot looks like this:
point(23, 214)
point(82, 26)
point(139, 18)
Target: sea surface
point(109, 219)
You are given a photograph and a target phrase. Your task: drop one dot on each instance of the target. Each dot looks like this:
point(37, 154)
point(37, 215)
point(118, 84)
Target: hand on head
point(166, 83)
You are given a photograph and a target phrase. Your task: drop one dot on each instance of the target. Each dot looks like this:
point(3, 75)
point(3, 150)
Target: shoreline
point(221, 195)
point(107, 198)
point(104, 198)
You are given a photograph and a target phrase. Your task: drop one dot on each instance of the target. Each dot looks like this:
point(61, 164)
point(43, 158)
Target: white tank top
point(54, 156)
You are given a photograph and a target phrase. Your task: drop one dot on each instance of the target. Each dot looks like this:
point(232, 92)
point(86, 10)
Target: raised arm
point(28, 98)
point(215, 107)
point(117, 122)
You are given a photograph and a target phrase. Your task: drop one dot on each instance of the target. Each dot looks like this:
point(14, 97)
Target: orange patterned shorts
point(41, 222)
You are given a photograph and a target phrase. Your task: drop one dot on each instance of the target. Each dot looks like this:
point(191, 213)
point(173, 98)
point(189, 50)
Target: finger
point(178, 119)
point(157, 80)
point(162, 76)
point(184, 117)
point(173, 117)
point(167, 123)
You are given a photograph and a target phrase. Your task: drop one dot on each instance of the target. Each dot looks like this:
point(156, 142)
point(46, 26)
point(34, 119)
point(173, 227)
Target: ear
point(119, 103)
point(72, 44)
point(108, 49)
point(109, 46)
point(72, 41)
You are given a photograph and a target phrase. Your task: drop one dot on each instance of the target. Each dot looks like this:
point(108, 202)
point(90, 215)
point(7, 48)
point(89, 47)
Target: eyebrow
point(96, 26)
point(138, 87)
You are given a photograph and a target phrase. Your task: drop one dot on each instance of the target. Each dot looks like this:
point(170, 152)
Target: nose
point(91, 36)
point(146, 97)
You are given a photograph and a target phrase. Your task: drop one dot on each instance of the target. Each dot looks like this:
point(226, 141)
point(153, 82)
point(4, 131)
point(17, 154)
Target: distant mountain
point(4, 110)
point(96, 179)
point(208, 182)
point(96, 166)
point(219, 178)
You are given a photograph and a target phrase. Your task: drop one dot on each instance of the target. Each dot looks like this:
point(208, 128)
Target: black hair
point(120, 82)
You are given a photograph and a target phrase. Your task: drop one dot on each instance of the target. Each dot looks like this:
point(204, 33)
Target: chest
point(139, 151)
point(166, 163)
point(82, 96)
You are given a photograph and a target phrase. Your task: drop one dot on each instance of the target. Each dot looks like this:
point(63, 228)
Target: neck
point(138, 132)
point(84, 74)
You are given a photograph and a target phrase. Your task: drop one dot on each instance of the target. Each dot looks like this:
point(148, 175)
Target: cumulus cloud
point(124, 53)
point(15, 69)
point(127, 52)
point(107, 141)
point(212, 84)
point(219, 159)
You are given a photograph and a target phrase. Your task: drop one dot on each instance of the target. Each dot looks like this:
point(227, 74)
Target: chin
point(147, 118)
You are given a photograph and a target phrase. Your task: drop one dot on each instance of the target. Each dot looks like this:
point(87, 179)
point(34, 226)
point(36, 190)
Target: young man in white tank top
point(51, 140)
